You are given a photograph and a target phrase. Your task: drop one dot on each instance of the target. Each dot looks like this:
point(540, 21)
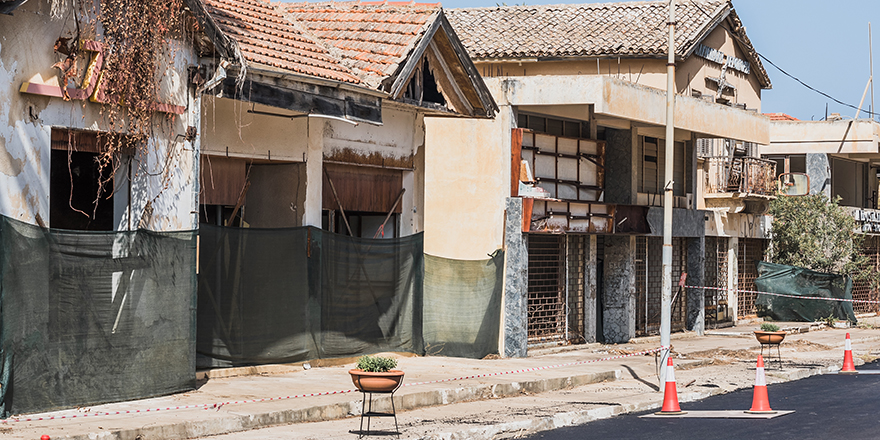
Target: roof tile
point(372, 38)
point(267, 38)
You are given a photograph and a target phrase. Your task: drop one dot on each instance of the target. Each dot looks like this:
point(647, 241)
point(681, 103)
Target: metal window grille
point(649, 280)
point(547, 308)
point(862, 288)
point(716, 305)
point(750, 251)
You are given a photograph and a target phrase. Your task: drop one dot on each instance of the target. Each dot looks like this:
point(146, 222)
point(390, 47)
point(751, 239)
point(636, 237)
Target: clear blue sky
point(822, 42)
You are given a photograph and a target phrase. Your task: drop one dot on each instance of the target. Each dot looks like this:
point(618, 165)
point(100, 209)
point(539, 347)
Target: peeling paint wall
point(623, 103)
point(165, 176)
point(228, 129)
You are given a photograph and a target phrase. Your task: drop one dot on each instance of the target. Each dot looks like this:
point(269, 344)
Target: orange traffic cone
point(760, 401)
point(848, 366)
point(670, 394)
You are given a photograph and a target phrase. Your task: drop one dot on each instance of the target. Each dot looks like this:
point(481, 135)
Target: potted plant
point(376, 374)
point(769, 334)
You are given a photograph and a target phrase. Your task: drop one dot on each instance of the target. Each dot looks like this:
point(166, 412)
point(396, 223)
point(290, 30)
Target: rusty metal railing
point(749, 175)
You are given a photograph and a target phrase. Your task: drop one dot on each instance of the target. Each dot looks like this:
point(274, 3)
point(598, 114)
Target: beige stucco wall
point(690, 74)
point(26, 122)
point(467, 180)
point(837, 137)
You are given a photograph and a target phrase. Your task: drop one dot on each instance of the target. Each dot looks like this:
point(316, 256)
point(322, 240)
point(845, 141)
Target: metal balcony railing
point(748, 175)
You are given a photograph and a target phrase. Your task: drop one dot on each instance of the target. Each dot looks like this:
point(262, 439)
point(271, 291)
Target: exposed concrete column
point(732, 276)
point(514, 334)
point(314, 173)
point(696, 299)
point(819, 170)
point(619, 317)
point(620, 167)
point(590, 289)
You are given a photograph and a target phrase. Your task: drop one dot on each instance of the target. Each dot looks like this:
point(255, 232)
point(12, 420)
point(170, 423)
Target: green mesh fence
point(289, 295)
point(789, 280)
point(90, 317)
point(462, 306)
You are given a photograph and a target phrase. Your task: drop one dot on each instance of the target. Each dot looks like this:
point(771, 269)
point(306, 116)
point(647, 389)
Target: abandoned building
point(567, 177)
point(842, 159)
point(322, 130)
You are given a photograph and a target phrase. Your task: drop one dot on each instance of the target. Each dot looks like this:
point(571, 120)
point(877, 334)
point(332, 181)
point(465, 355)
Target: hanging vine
point(138, 53)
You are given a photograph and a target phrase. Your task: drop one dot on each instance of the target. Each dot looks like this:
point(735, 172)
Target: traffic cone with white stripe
point(760, 400)
point(848, 366)
point(670, 394)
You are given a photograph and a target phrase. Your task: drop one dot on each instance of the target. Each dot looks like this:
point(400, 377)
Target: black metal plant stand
point(368, 413)
point(770, 352)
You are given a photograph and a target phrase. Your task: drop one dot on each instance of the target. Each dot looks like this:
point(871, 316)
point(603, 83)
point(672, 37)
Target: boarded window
point(222, 180)
point(362, 189)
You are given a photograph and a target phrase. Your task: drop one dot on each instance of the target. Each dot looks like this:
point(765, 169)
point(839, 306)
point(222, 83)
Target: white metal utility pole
point(666, 303)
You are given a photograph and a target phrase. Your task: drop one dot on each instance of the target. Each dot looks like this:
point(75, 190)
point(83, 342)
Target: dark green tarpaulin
point(94, 317)
point(789, 280)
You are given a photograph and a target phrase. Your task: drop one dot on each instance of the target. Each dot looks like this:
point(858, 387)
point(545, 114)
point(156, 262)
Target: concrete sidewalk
point(281, 395)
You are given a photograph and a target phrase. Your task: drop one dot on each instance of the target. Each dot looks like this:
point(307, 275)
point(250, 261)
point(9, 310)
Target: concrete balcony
point(740, 184)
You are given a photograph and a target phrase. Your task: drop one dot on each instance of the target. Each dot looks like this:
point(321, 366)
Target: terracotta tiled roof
point(780, 117)
point(268, 39)
point(626, 29)
point(601, 29)
point(372, 38)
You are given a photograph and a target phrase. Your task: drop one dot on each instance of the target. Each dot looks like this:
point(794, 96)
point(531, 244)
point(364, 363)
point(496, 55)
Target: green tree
point(816, 233)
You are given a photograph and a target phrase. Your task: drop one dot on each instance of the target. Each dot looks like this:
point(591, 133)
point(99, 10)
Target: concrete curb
point(561, 420)
point(403, 401)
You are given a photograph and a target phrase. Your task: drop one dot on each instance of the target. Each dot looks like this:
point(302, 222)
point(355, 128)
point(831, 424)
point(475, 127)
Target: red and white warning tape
point(217, 406)
point(865, 301)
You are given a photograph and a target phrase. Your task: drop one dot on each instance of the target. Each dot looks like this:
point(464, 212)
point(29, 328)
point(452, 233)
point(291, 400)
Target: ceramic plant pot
point(769, 337)
point(368, 382)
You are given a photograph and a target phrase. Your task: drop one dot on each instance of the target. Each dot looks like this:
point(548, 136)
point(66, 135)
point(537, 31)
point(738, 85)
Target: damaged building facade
point(99, 155)
point(567, 178)
point(314, 145)
point(842, 159)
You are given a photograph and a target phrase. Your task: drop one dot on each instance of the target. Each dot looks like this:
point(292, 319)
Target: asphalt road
point(827, 406)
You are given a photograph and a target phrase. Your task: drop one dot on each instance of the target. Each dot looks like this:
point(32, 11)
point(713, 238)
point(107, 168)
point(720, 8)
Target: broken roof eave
point(305, 94)
point(406, 70)
point(225, 46)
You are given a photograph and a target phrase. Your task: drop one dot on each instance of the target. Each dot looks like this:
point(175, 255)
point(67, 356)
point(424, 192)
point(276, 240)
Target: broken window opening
point(81, 193)
point(363, 224)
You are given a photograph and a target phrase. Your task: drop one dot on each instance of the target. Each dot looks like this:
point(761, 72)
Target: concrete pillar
point(819, 170)
point(314, 174)
point(696, 299)
point(619, 316)
point(620, 167)
point(514, 334)
point(590, 290)
point(732, 276)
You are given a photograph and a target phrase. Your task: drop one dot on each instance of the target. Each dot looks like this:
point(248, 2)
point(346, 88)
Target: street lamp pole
point(666, 303)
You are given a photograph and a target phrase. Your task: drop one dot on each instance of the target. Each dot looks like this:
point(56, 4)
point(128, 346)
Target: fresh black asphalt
point(827, 407)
